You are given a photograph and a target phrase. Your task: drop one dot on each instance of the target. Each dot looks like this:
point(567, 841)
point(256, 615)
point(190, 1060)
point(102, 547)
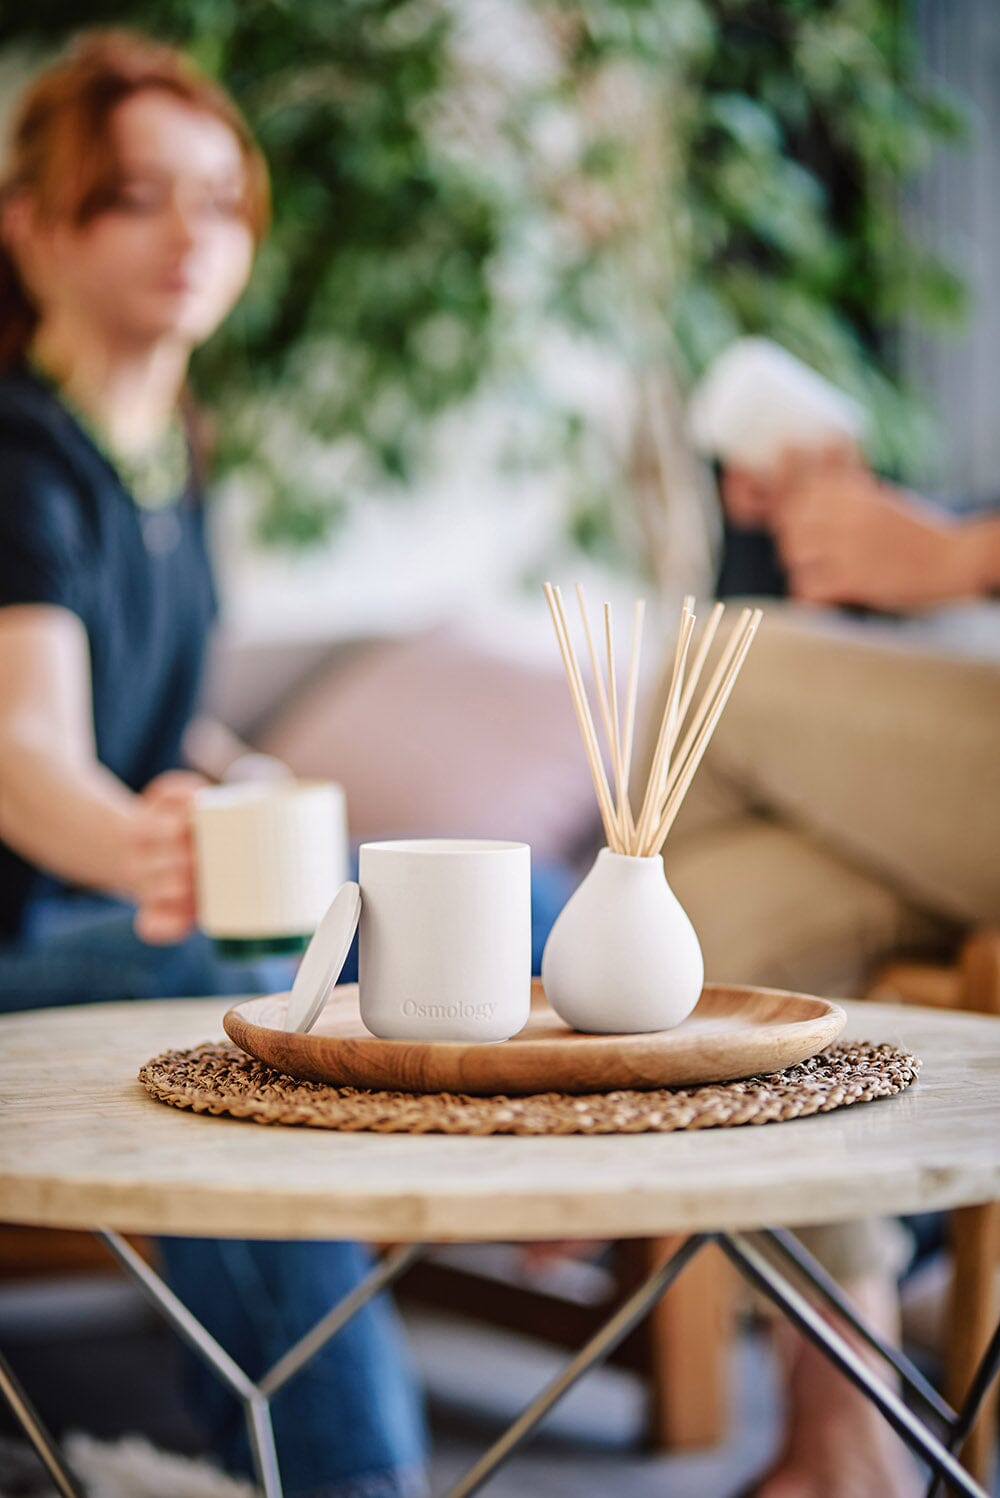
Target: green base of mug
point(244, 948)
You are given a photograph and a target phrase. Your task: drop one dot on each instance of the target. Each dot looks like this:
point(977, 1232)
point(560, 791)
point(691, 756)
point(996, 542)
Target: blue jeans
point(350, 1424)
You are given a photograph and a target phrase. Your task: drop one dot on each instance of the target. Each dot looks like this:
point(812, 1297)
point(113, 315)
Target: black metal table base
point(760, 1257)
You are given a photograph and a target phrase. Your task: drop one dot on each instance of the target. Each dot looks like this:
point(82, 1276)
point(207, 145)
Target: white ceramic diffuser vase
point(623, 956)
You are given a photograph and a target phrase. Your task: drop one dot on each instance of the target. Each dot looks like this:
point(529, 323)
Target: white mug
point(268, 859)
point(757, 399)
point(445, 944)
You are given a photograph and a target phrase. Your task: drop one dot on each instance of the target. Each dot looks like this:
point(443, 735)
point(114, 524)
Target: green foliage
point(370, 310)
point(785, 130)
point(794, 127)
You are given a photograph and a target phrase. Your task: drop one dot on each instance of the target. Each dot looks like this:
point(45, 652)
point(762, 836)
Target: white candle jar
point(445, 939)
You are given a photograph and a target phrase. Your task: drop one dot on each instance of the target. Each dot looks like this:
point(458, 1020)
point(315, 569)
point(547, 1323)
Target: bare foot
point(838, 1445)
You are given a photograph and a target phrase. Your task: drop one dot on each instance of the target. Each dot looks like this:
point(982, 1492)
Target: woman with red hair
point(130, 209)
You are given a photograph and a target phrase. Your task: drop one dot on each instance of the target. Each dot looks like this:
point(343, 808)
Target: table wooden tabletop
point(82, 1145)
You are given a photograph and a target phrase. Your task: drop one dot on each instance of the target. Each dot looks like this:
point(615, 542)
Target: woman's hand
point(159, 854)
point(159, 858)
point(754, 499)
point(845, 537)
point(747, 498)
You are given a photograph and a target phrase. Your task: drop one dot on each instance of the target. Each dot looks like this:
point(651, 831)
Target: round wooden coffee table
point(82, 1145)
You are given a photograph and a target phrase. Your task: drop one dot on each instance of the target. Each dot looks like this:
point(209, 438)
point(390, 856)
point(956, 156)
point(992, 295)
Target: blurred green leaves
point(754, 187)
point(803, 122)
point(370, 310)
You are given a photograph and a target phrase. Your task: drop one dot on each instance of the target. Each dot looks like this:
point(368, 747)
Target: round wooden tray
point(733, 1032)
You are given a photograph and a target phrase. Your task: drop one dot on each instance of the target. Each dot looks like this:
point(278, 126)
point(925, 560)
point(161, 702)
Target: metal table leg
point(978, 1389)
point(255, 1397)
point(601, 1345)
point(789, 1248)
point(956, 1424)
point(28, 1419)
point(758, 1269)
point(384, 1274)
point(756, 1266)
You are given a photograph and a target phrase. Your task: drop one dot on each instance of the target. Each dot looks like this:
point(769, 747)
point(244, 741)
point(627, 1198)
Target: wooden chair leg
point(686, 1340)
point(980, 969)
point(972, 1317)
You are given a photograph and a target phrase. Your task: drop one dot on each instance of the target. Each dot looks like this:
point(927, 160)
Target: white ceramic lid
point(323, 959)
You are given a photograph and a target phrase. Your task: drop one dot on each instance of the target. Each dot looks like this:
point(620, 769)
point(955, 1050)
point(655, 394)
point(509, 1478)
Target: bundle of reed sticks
point(675, 758)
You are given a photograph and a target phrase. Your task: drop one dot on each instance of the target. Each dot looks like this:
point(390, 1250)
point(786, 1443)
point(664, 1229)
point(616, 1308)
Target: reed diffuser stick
point(602, 696)
point(701, 711)
point(704, 646)
point(661, 753)
point(671, 773)
point(672, 769)
point(584, 718)
point(677, 719)
point(616, 737)
point(711, 719)
point(631, 698)
point(602, 701)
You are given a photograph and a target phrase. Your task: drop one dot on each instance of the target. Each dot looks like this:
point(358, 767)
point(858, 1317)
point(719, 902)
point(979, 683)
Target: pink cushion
point(432, 737)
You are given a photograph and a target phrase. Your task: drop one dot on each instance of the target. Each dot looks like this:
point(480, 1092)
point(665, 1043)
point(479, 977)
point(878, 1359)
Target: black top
point(72, 535)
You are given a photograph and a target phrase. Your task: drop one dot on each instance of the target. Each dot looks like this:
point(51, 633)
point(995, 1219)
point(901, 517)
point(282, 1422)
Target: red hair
point(62, 147)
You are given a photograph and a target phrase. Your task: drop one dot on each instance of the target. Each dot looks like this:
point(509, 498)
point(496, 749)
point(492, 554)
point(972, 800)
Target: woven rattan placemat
point(223, 1079)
